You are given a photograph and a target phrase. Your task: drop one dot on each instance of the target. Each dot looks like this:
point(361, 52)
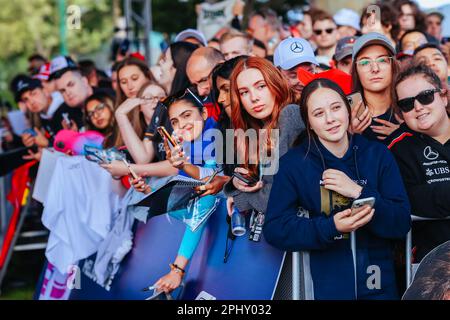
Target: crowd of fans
point(389, 142)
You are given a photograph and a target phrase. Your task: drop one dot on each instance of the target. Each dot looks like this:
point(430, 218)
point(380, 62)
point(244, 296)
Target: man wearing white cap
point(193, 36)
point(291, 54)
point(348, 23)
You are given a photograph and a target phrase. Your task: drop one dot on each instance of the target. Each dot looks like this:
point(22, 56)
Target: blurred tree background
point(33, 26)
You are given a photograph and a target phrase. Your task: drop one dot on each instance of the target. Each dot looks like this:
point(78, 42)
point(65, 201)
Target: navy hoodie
point(300, 217)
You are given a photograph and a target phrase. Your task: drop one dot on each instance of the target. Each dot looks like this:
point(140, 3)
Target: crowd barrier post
point(408, 248)
point(2, 206)
point(296, 276)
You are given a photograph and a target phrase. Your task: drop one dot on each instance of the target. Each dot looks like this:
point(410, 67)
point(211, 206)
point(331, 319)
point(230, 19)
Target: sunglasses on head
point(188, 93)
point(319, 32)
point(425, 98)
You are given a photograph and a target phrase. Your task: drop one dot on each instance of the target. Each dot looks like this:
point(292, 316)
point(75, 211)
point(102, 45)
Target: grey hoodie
point(291, 125)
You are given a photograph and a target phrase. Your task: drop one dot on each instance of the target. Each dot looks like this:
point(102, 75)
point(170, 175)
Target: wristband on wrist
point(177, 269)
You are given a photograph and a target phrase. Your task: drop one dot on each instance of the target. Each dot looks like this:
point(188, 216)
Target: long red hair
point(241, 119)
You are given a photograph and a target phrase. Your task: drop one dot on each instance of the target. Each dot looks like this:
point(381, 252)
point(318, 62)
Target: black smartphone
point(249, 180)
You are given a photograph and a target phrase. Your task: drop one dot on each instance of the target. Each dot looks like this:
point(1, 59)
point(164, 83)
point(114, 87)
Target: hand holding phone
point(30, 131)
point(247, 179)
point(164, 133)
point(130, 170)
point(360, 203)
point(354, 99)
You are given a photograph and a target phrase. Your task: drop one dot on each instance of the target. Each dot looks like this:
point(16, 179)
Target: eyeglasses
point(366, 64)
point(318, 32)
point(98, 108)
point(426, 97)
point(152, 98)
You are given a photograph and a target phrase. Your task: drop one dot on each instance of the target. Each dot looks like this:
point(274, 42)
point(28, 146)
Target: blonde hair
point(233, 33)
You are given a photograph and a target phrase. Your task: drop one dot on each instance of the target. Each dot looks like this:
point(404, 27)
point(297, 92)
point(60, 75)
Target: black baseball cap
point(24, 85)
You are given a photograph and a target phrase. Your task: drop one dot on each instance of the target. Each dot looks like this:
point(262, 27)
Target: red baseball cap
point(137, 55)
point(44, 72)
point(341, 78)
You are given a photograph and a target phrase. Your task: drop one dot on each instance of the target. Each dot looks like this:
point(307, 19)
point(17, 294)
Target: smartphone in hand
point(247, 179)
point(130, 170)
point(30, 131)
point(354, 99)
point(359, 203)
point(164, 133)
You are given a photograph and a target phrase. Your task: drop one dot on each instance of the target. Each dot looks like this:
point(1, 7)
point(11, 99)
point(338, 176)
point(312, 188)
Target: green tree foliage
point(29, 26)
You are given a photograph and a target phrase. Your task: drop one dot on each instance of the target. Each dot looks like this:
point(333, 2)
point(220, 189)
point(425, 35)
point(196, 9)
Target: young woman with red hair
point(260, 101)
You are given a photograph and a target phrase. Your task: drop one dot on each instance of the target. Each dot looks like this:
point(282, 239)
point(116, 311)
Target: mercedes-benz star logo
point(296, 47)
point(430, 154)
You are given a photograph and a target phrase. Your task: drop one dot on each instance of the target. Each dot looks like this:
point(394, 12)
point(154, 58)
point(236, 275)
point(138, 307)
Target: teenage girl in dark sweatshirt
point(309, 204)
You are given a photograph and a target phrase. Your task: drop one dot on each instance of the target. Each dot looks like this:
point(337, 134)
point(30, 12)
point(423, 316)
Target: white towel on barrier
point(79, 211)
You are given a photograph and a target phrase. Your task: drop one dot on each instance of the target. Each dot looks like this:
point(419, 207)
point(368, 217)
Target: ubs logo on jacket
point(436, 168)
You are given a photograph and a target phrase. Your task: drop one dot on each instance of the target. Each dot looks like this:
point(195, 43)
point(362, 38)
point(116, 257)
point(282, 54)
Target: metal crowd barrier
point(409, 265)
point(296, 267)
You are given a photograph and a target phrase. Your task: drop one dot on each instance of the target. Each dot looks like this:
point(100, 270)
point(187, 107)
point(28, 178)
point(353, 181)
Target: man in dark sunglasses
point(325, 35)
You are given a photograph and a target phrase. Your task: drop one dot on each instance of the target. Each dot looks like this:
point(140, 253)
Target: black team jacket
point(425, 167)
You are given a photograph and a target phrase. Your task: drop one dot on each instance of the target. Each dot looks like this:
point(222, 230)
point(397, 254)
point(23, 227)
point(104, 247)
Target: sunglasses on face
point(426, 97)
point(319, 32)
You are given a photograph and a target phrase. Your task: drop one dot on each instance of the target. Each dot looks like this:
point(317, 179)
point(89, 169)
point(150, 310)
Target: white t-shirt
point(57, 101)
point(214, 16)
point(79, 210)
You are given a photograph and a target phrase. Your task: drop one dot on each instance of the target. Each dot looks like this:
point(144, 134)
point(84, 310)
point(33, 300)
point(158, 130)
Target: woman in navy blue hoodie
point(313, 190)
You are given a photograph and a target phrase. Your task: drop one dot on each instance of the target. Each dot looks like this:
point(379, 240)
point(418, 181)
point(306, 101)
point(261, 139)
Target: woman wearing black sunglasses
point(422, 150)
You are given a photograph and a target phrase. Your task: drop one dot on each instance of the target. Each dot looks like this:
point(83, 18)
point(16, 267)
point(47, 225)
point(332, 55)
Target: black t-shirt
point(424, 164)
point(64, 112)
point(388, 116)
point(53, 126)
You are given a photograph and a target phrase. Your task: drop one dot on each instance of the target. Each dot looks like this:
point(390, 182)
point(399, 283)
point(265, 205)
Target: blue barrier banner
point(251, 272)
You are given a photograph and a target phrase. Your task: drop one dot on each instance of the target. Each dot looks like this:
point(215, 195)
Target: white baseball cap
point(191, 33)
point(347, 17)
point(60, 65)
point(293, 51)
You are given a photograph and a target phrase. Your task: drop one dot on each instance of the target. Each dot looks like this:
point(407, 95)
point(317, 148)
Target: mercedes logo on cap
point(430, 154)
point(296, 47)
